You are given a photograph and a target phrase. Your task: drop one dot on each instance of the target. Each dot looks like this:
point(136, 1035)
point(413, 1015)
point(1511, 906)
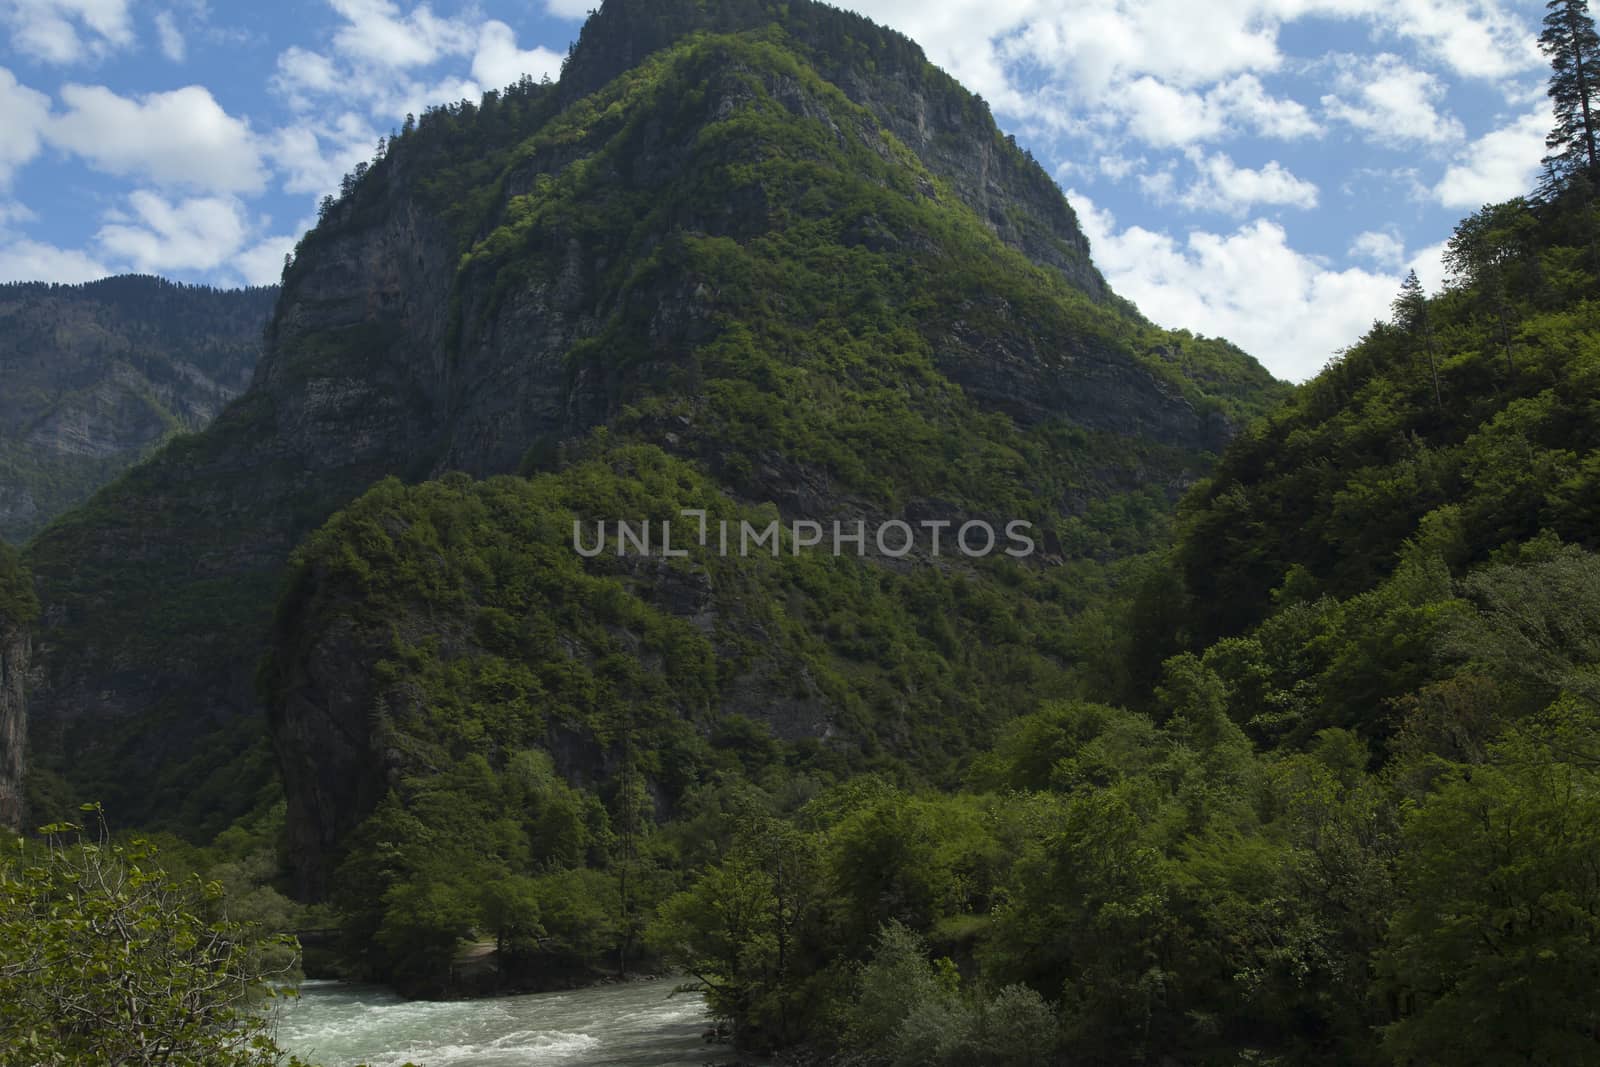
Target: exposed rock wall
point(14, 653)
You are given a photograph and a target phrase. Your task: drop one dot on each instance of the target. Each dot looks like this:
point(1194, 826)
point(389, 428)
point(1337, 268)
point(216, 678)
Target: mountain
point(796, 262)
point(99, 375)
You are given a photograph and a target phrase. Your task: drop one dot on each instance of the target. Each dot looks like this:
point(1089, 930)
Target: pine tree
point(1570, 41)
point(1411, 315)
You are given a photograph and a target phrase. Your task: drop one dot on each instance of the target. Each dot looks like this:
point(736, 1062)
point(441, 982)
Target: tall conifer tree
point(1570, 41)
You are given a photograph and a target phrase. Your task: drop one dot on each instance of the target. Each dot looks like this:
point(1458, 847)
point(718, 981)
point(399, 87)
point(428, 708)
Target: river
point(636, 1024)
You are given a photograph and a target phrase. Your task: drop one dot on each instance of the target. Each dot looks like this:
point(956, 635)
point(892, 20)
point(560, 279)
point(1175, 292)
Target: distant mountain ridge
point(97, 375)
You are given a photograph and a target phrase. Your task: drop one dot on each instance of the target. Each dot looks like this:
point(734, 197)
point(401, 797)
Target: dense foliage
point(18, 602)
point(480, 637)
point(106, 958)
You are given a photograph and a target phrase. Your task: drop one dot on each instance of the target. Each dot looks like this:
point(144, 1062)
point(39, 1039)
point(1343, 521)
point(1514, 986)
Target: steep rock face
point(513, 276)
point(14, 652)
point(97, 375)
point(17, 609)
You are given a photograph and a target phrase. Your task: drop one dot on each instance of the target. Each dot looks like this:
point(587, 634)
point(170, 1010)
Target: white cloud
point(30, 261)
point(1222, 186)
point(1497, 166)
point(1117, 167)
point(179, 138)
point(302, 74)
point(570, 9)
point(1379, 247)
point(67, 31)
point(262, 263)
point(378, 58)
point(1245, 100)
point(379, 35)
point(498, 62)
point(1287, 309)
point(1172, 75)
point(1429, 265)
point(314, 156)
point(1475, 38)
point(1391, 101)
point(1164, 115)
point(212, 235)
point(201, 233)
point(173, 45)
point(26, 111)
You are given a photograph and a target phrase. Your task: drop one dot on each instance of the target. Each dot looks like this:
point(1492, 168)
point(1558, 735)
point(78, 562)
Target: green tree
point(107, 959)
point(1494, 952)
point(1482, 254)
point(510, 907)
point(1411, 315)
point(1569, 40)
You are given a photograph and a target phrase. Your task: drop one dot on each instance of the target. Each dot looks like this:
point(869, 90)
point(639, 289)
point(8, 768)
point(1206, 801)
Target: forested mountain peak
point(950, 129)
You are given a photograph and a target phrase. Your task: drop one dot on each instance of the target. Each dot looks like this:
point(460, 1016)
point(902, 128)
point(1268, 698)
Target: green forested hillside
point(98, 376)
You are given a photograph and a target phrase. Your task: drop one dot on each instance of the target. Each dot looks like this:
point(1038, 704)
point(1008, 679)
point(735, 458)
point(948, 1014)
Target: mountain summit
point(770, 244)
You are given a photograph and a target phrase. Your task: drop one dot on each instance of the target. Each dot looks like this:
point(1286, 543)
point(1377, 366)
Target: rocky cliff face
point(97, 375)
point(14, 651)
point(610, 252)
point(951, 131)
point(17, 609)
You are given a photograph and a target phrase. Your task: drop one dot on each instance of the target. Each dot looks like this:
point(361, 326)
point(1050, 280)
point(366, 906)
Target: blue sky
point(1262, 170)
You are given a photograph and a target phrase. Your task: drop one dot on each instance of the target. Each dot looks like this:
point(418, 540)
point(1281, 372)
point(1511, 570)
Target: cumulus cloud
point(26, 111)
point(178, 138)
point(1247, 102)
point(1287, 309)
point(1497, 166)
point(262, 262)
point(570, 9)
point(156, 235)
point(1091, 51)
point(379, 59)
point(67, 31)
point(1390, 101)
point(303, 74)
point(314, 156)
point(27, 261)
point(1474, 38)
point(1379, 247)
point(499, 61)
point(1164, 115)
point(379, 34)
point(1224, 187)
